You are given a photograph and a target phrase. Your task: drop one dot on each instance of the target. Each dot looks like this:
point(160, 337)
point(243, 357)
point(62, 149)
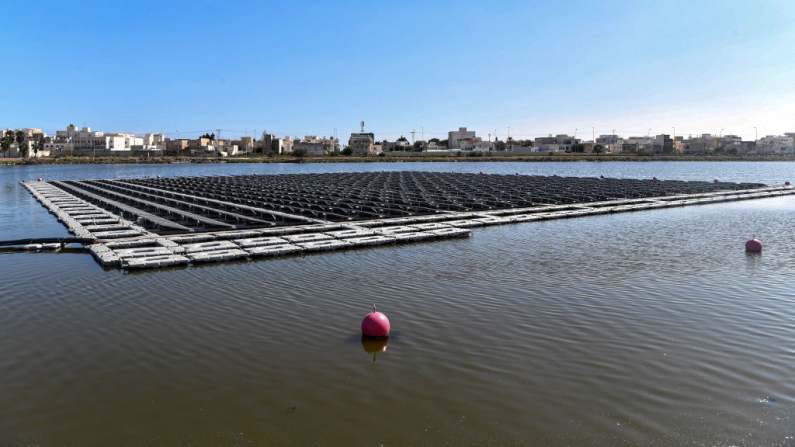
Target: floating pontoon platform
point(147, 223)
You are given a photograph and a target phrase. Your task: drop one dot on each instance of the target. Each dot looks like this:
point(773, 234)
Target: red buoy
point(753, 244)
point(654, 178)
point(39, 178)
point(375, 324)
point(255, 174)
point(517, 173)
point(786, 183)
point(453, 172)
point(602, 176)
point(481, 172)
point(158, 175)
point(716, 181)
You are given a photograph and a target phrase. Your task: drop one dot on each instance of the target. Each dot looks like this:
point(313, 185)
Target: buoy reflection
point(374, 345)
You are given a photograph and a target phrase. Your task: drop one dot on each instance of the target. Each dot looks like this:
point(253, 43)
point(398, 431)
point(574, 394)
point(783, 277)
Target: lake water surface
point(646, 328)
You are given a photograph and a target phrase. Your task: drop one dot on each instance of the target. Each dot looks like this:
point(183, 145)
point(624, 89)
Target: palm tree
point(7, 140)
point(20, 137)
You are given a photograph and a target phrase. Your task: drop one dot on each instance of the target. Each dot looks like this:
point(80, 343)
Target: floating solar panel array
point(172, 221)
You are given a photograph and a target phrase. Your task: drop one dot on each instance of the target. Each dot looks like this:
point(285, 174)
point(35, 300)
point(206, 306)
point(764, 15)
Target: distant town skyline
point(302, 68)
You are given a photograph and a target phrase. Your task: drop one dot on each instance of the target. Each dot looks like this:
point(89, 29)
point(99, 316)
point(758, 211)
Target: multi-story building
point(636, 145)
point(776, 144)
point(246, 144)
point(475, 145)
point(362, 143)
point(557, 144)
point(287, 144)
point(663, 144)
point(87, 142)
point(454, 137)
point(177, 147)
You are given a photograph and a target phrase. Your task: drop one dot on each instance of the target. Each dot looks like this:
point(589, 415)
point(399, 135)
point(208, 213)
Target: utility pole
point(412, 135)
point(756, 134)
point(423, 132)
point(218, 136)
point(593, 135)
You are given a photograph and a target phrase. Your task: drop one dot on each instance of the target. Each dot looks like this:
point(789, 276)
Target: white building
point(776, 144)
point(287, 144)
point(608, 139)
point(87, 142)
point(453, 138)
point(557, 144)
point(475, 145)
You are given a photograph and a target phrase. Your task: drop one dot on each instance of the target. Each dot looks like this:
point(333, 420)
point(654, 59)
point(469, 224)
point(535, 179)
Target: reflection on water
point(374, 346)
point(644, 328)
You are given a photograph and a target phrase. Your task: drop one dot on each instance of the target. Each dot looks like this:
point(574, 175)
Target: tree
point(499, 145)
point(443, 143)
point(434, 140)
point(299, 153)
point(211, 136)
point(418, 146)
point(7, 140)
point(347, 151)
point(402, 138)
point(37, 146)
point(578, 148)
point(598, 149)
point(20, 138)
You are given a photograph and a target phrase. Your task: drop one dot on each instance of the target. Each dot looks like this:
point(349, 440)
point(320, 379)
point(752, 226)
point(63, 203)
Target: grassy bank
point(419, 157)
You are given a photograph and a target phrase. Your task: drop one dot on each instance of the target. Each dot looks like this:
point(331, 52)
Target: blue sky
point(299, 68)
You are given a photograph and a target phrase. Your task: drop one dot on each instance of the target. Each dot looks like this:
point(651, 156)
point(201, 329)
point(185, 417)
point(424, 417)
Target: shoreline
point(425, 158)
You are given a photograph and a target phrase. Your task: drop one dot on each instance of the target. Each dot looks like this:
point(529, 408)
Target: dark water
point(648, 328)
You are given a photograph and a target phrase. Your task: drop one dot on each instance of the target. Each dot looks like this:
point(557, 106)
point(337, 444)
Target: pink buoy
point(753, 244)
point(786, 183)
point(39, 178)
point(255, 174)
point(375, 324)
point(716, 181)
point(453, 172)
point(158, 175)
point(481, 172)
point(654, 178)
point(602, 176)
point(517, 173)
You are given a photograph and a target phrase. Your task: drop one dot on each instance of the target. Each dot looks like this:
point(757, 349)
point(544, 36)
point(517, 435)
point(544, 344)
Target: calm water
point(632, 329)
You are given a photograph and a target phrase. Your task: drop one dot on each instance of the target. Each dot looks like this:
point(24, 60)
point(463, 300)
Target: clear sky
point(295, 67)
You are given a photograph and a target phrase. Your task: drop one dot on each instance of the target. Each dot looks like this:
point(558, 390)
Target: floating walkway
point(148, 223)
